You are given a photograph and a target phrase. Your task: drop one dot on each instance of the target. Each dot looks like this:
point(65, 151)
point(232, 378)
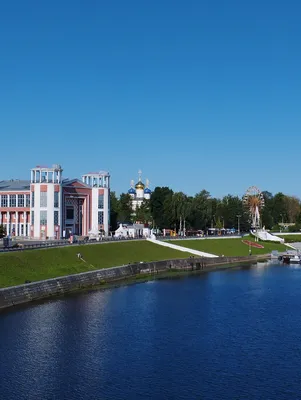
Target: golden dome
point(139, 185)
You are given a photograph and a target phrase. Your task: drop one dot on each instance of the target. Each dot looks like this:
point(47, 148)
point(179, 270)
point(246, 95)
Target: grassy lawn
point(291, 238)
point(35, 265)
point(228, 247)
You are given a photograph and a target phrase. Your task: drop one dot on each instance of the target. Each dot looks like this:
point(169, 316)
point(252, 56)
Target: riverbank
point(17, 268)
point(229, 246)
point(50, 288)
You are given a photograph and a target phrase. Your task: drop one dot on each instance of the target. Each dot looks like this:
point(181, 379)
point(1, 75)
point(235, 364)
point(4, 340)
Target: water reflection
point(214, 336)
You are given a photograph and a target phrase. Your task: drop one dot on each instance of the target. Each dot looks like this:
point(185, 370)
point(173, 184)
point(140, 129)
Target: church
point(139, 192)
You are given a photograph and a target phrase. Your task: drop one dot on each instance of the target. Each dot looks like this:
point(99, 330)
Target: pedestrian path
point(181, 248)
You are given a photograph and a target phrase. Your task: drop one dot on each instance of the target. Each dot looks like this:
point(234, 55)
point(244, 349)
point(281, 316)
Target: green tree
point(279, 208)
point(125, 208)
point(267, 212)
point(160, 207)
point(201, 210)
point(143, 213)
point(2, 231)
point(114, 204)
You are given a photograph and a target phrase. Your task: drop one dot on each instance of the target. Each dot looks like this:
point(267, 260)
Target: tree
point(160, 206)
point(113, 211)
point(267, 212)
point(2, 231)
point(125, 210)
point(143, 213)
point(201, 210)
point(292, 208)
point(279, 208)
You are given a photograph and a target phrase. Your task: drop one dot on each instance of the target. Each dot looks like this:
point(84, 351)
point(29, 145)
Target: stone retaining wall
point(57, 286)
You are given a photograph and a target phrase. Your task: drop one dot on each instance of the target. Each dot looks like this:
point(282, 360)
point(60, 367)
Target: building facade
point(139, 192)
point(47, 206)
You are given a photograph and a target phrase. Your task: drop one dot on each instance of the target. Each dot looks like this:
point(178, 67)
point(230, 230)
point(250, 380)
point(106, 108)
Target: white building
point(132, 231)
point(139, 192)
point(49, 206)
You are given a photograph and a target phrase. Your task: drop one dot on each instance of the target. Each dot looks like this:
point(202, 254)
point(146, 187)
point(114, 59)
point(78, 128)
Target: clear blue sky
point(197, 94)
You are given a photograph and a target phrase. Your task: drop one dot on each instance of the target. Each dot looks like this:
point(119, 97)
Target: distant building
point(132, 231)
point(139, 192)
point(49, 206)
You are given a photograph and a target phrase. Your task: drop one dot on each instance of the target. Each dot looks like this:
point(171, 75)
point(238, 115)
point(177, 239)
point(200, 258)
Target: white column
point(106, 211)
point(50, 211)
point(7, 224)
point(36, 209)
point(24, 223)
point(95, 210)
point(17, 223)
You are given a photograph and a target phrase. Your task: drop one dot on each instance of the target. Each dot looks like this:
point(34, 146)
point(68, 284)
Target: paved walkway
point(181, 248)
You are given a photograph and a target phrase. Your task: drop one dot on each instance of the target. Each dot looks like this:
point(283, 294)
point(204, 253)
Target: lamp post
point(238, 225)
point(281, 215)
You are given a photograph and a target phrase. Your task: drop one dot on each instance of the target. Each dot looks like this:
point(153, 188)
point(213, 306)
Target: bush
point(2, 231)
point(294, 228)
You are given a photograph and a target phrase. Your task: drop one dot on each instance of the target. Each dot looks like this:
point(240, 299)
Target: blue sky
point(196, 94)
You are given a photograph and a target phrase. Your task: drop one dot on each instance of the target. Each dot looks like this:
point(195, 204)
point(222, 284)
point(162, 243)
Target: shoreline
point(109, 278)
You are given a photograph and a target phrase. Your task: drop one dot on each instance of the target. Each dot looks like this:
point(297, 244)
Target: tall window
point(100, 201)
point(28, 200)
point(32, 218)
point(20, 200)
point(56, 199)
point(12, 200)
point(43, 199)
point(43, 217)
point(100, 217)
point(56, 217)
point(32, 199)
point(4, 201)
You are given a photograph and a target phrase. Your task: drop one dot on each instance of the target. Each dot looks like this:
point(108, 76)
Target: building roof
point(147, 190)
point(140, 185)
point(131, 191)
point(14, 185)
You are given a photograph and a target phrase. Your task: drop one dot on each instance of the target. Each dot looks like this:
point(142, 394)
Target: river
point(231, 334)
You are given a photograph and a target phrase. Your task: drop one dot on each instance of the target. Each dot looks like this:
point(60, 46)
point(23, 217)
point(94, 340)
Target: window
point(4, 201)
point(100, 217)
point(43, 199)
point(28, 200)
point(32, 218)
point(69, 213)
point(56, 217)
point(43, 217)
point(100, 201)
point(12, 200)
point(56, 199)
point(32, 199)
point(20, 200)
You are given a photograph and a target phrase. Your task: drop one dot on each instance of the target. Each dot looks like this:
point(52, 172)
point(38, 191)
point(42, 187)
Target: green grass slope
point(35, 265)
point(290, 238)
point(228, 247)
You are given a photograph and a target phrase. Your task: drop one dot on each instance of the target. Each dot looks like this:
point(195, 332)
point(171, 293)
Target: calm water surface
point(223, 335)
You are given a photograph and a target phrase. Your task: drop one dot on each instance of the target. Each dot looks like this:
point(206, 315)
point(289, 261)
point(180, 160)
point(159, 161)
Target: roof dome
point(140, 185)
point(131, 191)
point(147, 190)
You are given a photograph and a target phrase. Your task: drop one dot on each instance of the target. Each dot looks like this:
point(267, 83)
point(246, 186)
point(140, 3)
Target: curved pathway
point(181, 248)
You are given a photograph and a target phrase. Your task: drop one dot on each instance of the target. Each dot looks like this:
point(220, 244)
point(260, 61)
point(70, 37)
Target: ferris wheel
point(253, 201)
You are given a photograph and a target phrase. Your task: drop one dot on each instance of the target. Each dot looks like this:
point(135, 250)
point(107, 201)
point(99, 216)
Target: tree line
point(178, 211)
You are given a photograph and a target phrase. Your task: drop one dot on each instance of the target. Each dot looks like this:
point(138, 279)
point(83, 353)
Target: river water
point(223, 335)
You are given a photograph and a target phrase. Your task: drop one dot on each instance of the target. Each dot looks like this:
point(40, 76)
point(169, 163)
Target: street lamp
point(238, 226)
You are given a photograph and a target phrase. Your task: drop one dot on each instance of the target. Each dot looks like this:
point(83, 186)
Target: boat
point(295, 260)
point(291, 259)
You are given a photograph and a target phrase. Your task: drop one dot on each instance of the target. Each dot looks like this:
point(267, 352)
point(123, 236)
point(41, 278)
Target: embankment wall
point(15, 295)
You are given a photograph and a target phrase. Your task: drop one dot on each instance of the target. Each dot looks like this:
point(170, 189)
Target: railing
point(61, 243)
